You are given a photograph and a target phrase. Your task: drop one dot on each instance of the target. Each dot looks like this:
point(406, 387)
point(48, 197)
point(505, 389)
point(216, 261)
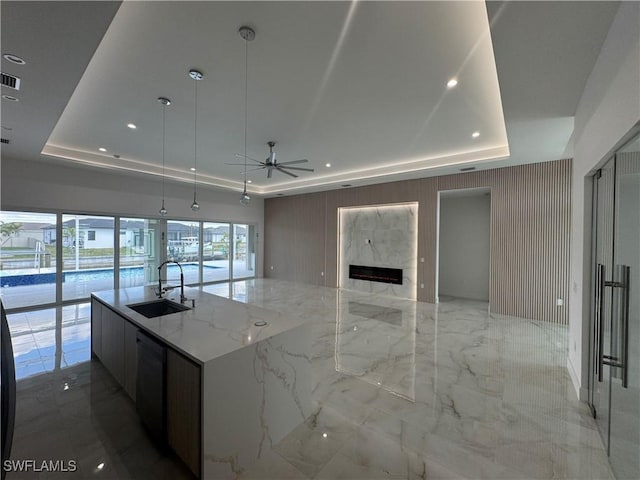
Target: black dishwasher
point(151, 386)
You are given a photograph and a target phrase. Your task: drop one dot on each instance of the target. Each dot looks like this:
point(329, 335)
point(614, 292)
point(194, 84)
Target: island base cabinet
point(96, 328)
point(130, 359)
point(113, 343)
point(183, 409)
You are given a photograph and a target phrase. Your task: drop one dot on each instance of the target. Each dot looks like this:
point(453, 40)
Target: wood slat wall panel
point(309, 238)
point(530, 229)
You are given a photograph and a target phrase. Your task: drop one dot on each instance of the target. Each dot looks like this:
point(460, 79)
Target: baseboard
point(581, 392)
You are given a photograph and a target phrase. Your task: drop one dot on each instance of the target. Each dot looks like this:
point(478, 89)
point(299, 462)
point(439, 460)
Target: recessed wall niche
point(383, 236)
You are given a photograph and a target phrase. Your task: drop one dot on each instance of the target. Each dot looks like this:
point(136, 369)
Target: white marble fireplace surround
point(379, 236)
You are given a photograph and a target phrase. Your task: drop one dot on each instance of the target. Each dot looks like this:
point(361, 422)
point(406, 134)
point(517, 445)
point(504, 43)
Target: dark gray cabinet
point(183, 409)
point(113, 342)
point(96, 328)
point(130, 359)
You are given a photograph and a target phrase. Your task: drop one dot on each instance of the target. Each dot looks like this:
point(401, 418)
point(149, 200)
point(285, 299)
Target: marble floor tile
point(312, 444)
point(81, 414)
point(415, 391)
point(272, 467)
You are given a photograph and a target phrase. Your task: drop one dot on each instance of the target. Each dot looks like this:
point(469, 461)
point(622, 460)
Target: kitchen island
point(231, 388)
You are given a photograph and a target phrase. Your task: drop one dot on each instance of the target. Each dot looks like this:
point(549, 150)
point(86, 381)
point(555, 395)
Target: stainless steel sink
point(158, 308)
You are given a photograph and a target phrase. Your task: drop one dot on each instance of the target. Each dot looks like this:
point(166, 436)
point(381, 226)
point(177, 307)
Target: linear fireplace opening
point(376, 274)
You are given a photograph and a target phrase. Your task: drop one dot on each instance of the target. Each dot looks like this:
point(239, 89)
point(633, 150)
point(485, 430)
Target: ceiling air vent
point(4, 140)
point(10, 81)
point(467, 169)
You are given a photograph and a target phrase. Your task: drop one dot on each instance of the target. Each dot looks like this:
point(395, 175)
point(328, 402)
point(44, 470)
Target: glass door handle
point(622, 275)
point(599, 325)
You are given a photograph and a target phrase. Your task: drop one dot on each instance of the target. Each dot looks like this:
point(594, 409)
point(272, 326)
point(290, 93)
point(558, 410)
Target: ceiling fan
point(271, 163)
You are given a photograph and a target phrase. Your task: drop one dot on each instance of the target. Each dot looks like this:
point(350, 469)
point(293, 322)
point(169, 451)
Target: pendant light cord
point(195, 141)
point(246, 83)
point(164, 108)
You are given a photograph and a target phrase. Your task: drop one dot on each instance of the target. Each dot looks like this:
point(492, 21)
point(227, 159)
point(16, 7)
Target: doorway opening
point(464, 244)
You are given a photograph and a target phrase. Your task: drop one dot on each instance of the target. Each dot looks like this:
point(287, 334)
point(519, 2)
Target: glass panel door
point(88, 260)
point(244, 252)
point(183, 245)
point(614, 389)
point(138, 251)
point(624, 443)
point(601, 326)
point(27, 258)
point(215, 252)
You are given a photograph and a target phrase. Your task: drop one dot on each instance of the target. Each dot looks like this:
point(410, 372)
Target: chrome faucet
point(182, 297)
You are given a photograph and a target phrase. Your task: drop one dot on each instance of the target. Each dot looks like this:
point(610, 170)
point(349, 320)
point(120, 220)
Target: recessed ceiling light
point(100, 466)
point(102, 149)
point(328, 165)
point(452, 83)
point(249, 181)
point(192, 169)
point(324, 435)
point(10, 98)
point(475, 134)
point(132, 126)
point(14, 59)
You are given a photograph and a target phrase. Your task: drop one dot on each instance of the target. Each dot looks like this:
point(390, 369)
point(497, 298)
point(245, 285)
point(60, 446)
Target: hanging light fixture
point(247, 34)
point(195, 75)
point(165, 103)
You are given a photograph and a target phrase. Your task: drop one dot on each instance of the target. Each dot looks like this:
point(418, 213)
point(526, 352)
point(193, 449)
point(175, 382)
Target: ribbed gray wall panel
point(530, 230)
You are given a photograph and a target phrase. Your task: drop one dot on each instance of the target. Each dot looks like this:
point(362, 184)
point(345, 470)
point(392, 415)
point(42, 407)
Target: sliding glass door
point(87, 255)
point(49, 258)
point(183, 245)
point(216, 252)
point(27, 258)
point(615, 346)
point(138, 239)
point(244, 258)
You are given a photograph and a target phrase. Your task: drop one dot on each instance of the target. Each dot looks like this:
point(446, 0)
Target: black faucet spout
point(182, 297)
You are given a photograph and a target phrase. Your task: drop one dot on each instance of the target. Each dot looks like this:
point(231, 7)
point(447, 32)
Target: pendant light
point(247, 34)
point(196, 76)
point(165, 103)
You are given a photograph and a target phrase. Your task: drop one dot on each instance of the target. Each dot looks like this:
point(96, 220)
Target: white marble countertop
point(215, 327)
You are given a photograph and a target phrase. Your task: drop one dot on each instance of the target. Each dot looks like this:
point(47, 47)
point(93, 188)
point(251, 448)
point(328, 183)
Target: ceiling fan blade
point(241, 164)
point(248, 158)
point(288, 173)
point(294, 161)
point(257, 168)
point(301, 169)
point(269, 172)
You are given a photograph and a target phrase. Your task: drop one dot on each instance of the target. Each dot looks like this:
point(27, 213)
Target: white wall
point(52, 187)
point(608, 111)
point(464, 243)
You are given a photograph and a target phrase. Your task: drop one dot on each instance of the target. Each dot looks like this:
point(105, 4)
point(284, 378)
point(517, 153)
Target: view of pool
point(93, 275)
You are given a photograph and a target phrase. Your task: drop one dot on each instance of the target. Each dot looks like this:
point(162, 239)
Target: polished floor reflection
point(50, 339)
point(426, 391)
point(401, 390)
